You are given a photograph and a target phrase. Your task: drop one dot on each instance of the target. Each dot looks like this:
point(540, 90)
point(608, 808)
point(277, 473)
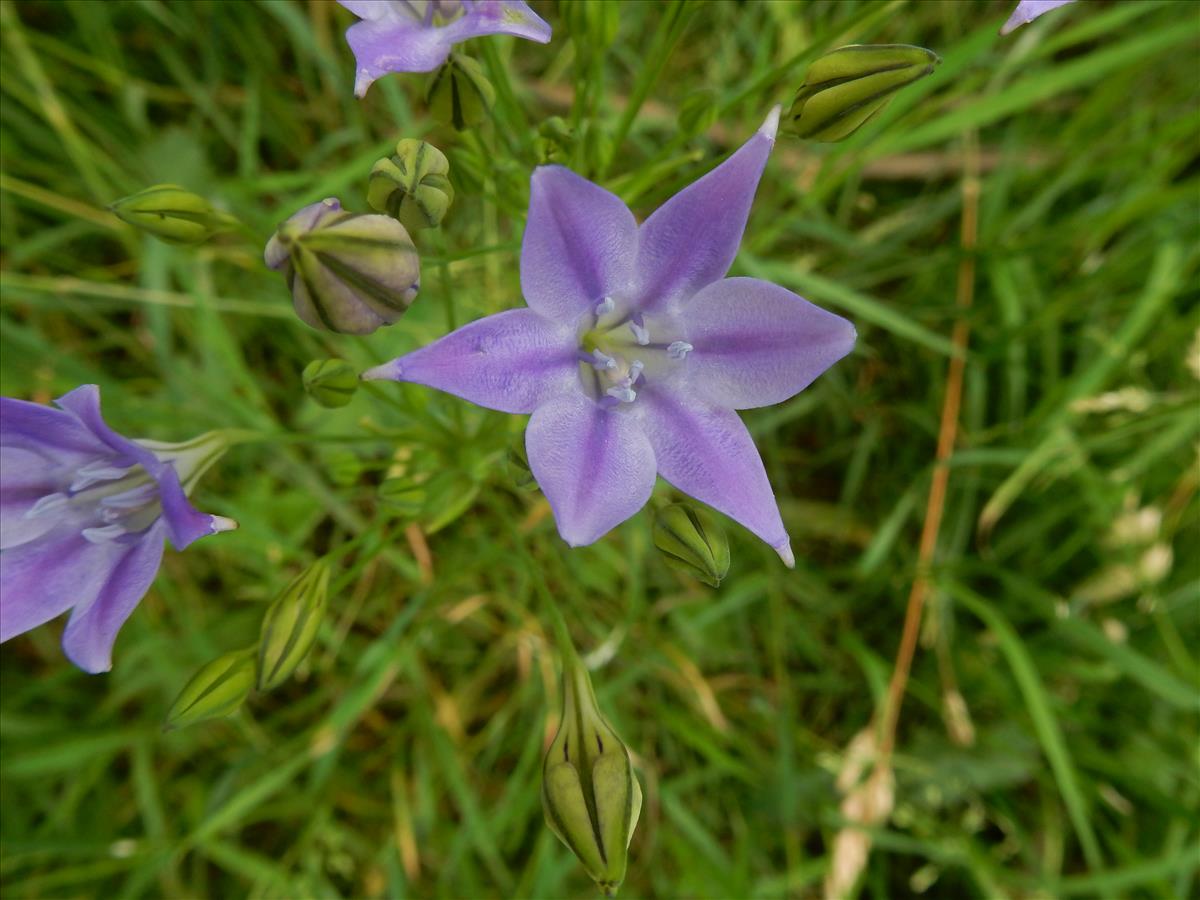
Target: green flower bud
point(348, 272)
point(698, 112)
point(692, 542)
point(405, 495)
point(847, 86)
point(218, 689)
point(331, 382)
point(172, 214)
point(289, 628)
point(590, 794)
point(412, 185)
point(459, 93)
point(517, 463)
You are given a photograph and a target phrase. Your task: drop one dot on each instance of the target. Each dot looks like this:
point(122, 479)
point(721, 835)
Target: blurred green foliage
point(403, 757)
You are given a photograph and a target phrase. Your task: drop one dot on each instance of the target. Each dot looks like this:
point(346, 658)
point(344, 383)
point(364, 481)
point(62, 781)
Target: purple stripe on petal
point(512, 361)
point(690, 241)
point(50, 432)
point(579, 245)
point(756, 343)
point(25, 478)
point(706, 452)
point(594, 465)
point(92, 629)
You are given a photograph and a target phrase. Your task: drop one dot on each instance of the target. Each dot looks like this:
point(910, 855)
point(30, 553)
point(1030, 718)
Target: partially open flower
point(348, 272)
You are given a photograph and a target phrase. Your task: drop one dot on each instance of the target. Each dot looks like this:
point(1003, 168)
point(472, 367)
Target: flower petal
point(691, 240)
point(93, 626)
point(390, 44)
point(512, 361)
point(706, 452)
point(579, 245)
point(756, 343)
point(25, 478)
point(1028, 10)
point(595, 465)
point(42, 579)
point(500, 17)
point(51, 433)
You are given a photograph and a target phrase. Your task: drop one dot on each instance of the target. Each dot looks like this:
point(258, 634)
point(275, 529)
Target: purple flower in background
point(1028, 10)
point(416, 35)
point(636, 351)
point(83, 514)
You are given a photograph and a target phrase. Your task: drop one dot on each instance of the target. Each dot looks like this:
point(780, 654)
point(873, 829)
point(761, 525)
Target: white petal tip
point(771, 125)
point(785, 553)
point(387, 372)
point(223, 523)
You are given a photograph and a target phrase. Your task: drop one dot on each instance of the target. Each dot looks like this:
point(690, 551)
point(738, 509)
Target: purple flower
point(83, 514)
point(416, 35)
point(636, 351)
point(1028, 10)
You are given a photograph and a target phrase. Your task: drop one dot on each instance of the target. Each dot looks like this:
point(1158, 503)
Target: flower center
point(111, 500)
point(431, 12)
point(618, 352)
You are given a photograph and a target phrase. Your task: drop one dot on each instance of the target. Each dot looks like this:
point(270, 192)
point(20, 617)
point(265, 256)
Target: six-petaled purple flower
point(83, 514)
point(636, 350)
point(416, 35)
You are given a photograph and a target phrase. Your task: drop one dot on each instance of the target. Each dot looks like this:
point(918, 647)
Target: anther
point(103, 535)
point(90, 474)
point(640, 333)
point(635, 371)
point(624, 394)
point(605, 306)
point(679, 349)
point(602, 360)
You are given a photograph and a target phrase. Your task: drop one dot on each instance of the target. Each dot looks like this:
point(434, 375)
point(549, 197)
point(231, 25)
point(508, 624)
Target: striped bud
point(348, 272)
point(289, 628)
point(459, 93)
point(412, 185)
point(847, 86)
point(590, 794)
point(172, 214)
point(331, 382)
point(218, 689)
point(692, 542)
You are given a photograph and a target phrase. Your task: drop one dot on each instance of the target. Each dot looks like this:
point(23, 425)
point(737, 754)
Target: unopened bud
point(412, 185)
point(847, 86)
point(459, 93)
point(289, 628)
point(218, 689)
point(698, 112)
point(172, 214)
point(348, 272)
point(331, 382)
point(692, 541)
point(590, 794)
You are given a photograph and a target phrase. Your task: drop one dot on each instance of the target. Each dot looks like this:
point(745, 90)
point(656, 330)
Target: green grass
point(405, 758)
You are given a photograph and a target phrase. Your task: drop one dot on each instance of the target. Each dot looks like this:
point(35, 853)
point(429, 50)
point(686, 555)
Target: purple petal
point(595, 465)
point(25, 478)
point(1028, 10)
point(706, 452)
point(92, 629)
point(48, 432)
point(756, 344)
point(500, 17)
point(44, 578)
point(579, 245)
point(690, 241)
point(388, 45)
point(512, 361)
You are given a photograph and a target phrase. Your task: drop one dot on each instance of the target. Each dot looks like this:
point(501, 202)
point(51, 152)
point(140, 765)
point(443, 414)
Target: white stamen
point(131, 499)
point(624, 394)
point(223, 523)
point(635, 371)
point(603, 360)
point(103, 535)
point(640, 334)
point(97, 471)
point(679, 349)
point(605, 306)
point(51, 503)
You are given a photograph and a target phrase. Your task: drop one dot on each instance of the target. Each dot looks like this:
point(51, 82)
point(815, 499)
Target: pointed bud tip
point(785, 553)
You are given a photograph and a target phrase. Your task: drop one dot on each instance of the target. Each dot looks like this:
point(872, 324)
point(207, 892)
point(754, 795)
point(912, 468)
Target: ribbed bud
point(698, 112)
point(172, 214)
point(412, 185)
point(692, 542)
point(289, 628)
point(406, 496)
point(847, 86)
point(331, 382)
point(459, 93)
point(218, 689)
point(348, 272)
point(590, 794)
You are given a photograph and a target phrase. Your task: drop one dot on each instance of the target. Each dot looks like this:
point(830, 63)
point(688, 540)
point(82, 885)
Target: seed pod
point(590, 794)
point(412, 185)
point(692, 542)
point(847, 86)
point(289, 628)
point(459, 93)
point(172, 214)
point(218, 689)
point(348, 272)
point(331, 382)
